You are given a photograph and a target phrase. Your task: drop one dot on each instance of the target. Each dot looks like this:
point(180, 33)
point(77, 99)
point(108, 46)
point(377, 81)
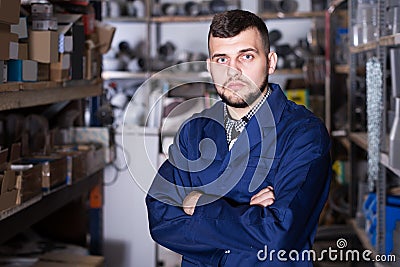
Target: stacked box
point(28, 175)
point(9, 47)
point(84, 159)
point(9, 192)
point(54, 169)
point(43, 46)
point(29, 180)
point(22, 70)
point(9, 11)
point(60, 71)
point(9, 14)
point(38, 173)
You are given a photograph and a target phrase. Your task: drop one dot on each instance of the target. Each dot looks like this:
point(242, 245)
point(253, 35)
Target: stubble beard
point(250, 99)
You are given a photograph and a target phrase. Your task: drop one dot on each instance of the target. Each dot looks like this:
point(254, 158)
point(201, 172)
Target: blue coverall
point(284, 145)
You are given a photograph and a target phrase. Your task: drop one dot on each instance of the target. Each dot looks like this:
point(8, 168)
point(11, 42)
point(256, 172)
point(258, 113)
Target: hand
point(190, 201)
point(264, 198)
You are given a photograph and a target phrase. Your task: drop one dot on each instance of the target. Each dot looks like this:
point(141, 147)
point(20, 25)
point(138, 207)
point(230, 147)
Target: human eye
point(222, 60)
point(247, 57)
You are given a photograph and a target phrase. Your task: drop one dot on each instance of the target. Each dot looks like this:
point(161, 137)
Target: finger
point(190, 201)
point(267, 189)
point(188, 210)
point(262, 198)
point(263, 202)
point(266, 194)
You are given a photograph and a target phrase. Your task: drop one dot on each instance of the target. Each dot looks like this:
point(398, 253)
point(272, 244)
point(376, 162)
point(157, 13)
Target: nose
point(233, 69)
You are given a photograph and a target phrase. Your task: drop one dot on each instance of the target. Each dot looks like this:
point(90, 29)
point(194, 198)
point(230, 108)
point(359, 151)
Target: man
point(248, 177)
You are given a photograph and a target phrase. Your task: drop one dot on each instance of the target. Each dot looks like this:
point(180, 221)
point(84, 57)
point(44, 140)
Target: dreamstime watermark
point(340, 253)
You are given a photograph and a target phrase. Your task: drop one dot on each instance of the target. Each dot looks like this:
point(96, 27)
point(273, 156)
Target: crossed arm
point(264, 198)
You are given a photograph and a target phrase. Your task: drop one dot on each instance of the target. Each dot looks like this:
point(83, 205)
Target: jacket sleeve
point(301, 187)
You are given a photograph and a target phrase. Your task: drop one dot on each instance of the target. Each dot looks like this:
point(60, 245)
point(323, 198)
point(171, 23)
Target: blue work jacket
point(284, 145)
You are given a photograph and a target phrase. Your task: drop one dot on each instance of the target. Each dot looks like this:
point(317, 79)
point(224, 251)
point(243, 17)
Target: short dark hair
point(230, 23)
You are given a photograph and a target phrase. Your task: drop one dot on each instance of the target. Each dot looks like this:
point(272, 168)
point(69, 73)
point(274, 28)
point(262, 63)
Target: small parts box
point(83, 159)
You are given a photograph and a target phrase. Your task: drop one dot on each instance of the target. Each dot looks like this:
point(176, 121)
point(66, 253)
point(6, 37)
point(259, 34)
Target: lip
point(235, 85)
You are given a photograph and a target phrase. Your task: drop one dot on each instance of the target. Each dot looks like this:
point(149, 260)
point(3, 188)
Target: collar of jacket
point(267, 117)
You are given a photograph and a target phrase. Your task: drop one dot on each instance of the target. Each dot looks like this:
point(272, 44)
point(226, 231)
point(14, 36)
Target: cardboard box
point(23, 51)
point(93, 60)
point(43, 72)
point(28, 175)
point(29, 180)
point(101, 135)
point(60, 71)
point(22, 70)
point(5, 27)
point(83, 159)
point(105, 35)
point(8, 194)
point(9, 11)
point(59, 75)
point(43, 46)
point(9, 47)
point(54, 170)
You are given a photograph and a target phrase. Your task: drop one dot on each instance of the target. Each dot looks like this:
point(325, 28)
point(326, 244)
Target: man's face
point(238, 66)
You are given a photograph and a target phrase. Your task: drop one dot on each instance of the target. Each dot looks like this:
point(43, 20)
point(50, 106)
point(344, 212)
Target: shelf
point(202, 76)
point(341, 136)
point(295, 15)
point(390, 40)
point(173, 19)
point(363, 47)
point(208, 18)
point(115, 74)
point(125, 19)
point(342, 69)
point(15, 220)
point(385, 162)
point(362, 236)
point(298, 71)
point(181, 76)
point(360, 139)
point(21, 95)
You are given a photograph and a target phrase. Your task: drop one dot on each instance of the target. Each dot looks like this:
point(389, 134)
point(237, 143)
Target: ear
point(208, 65)
point(272, 60)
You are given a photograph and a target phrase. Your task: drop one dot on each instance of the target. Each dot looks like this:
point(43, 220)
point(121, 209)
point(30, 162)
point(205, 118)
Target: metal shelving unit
point(354, 137)
point(25, 95)
point(21, 95)
point(19, 218)
point(157, 21)
point(358, 135)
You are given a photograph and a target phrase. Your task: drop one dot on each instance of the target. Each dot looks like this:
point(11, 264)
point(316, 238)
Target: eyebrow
point(240, 51)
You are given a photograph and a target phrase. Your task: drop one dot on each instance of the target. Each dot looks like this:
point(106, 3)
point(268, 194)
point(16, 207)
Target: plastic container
point(392, 219)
